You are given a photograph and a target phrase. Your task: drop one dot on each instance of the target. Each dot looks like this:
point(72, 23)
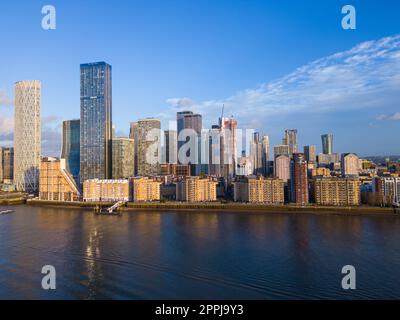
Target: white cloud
point(394, 117)
point(366, 76)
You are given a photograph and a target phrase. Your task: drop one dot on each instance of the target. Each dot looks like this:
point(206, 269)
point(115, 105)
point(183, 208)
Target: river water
point(197, 255)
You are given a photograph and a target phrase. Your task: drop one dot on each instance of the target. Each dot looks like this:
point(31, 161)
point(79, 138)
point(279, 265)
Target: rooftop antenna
point(222, 115)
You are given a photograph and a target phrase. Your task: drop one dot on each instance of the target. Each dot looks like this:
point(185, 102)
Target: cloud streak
point(364, 77)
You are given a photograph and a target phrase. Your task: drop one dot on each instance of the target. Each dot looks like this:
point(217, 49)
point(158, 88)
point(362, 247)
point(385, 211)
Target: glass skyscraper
point(327, 143)
point(96, 121)
point(71, 147)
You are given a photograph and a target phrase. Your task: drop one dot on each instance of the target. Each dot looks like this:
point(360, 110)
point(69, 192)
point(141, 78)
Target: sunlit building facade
point(259, 190)
point(71, 132)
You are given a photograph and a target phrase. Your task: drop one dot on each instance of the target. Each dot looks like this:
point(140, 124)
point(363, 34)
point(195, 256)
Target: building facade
point(123, 158)
point(387, 190)
point(290, 139)
point(350, 164)
point(148, 147)
point(71, 133)
point(196, 189)
point(256, 154)
point(298, 179)
point(175, 169)
point(282, 168)
point(335, 191)
point(27, 135)
point(259, 190)
point(311, 153)
point(327, 143)
point(170, 146)
point(8, 165)
point(106, 190)
point(145, 189)
point(95, 121)
point(56, 183)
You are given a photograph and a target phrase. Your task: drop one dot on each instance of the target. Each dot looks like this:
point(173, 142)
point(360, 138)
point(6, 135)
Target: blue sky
point(274, 64)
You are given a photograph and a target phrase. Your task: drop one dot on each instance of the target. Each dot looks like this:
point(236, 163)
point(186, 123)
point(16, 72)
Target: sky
point(273, 64)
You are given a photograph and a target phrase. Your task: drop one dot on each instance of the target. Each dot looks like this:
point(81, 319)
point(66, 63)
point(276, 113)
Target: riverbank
point(229, 207)
point(9, 199)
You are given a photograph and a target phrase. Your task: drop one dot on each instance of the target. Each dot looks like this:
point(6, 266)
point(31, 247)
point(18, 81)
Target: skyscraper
point(256, 154)
point(327, 143)
point(298, 179)
point(149, 146)
point(290, 139)
point(133, 134)
point(214, 151)
point(282, 167)
point(265, 155)
point(229, 146)
point(27, 135)
point(71, 132)
point(96, 121)
point(7, 165)
point(123, 158)
point(281, 149)
point(311, 153)
point(170, 146)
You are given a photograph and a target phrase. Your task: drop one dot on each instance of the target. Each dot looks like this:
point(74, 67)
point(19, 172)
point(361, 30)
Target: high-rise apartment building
point(259, 190)
point(133, 134)
point(298, 179)
point(387, 190)
point(256, 154)
point(56, 183)
point(27, 135)
point(95, 121)
point(215, 149)
point(229, 147)
point(350, 164)
point(265, 155)
point(71, 133)
point(327, 143)
point(335, 191)
point(123, 159)
point(148, 147)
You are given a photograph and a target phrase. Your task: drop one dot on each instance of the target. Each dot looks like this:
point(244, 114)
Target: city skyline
point(367, 59)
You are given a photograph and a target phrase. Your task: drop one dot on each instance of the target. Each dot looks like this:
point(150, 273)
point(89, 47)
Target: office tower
point(282, 168)
point(244, 167)
point(229, 147)
point(170, 146)
point(27, 136)
point(123, 159)
point(265, 155)
point(145, 189)
point(327, 143)
point(290, 139)
point(215, 149)
point(56, 183)
point(281, 149)
point(96, 121)
point(328, 160)
point(187, 120)
point(196, 189)
point(334, 191)
point(259, 190)
point(298, 179)
point(256, 154)
point(133, 134)
point(7, 165)
point(71, 132)
point(350, 164)
point(311, 153)
point(149, 147)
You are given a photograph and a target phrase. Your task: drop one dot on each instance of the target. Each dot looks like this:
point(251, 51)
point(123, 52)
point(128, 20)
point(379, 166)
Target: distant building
point(259, 190)
point(71, 132)
point(281, 149)
point(170, 146)
point(256, 154)
point(27, 135)
point(311, 153)
point(228, 147)
point(290, 139)
point(327, 143)
point(56, 183)
point(328, 160)
point(133, 134)
point(175, 169)
point(298, 179)
point(7, 165)
point(215, 149)
point(106, 190)
point(145, 189)
point(196, 189)
point(334, 191)
point(265, 155)
point(282, 168)
point(244, 166)
point(123, 158)
point(189, 121)
point(149, 147)
point(321, 172)
point(350, 164)
point(95, 121)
